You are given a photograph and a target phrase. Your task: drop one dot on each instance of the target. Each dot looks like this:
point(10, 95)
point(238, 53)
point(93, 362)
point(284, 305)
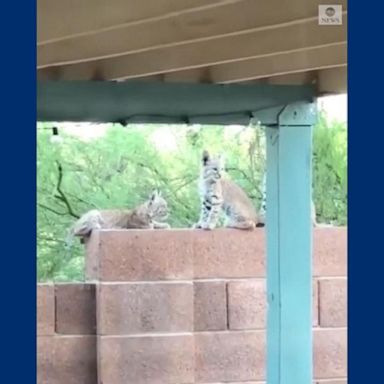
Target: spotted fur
point(219, 194)
point(149, 215)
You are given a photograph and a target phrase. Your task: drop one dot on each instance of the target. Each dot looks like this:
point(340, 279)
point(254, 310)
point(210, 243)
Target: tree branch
point(82, 200)
point(61, 195)
point(51, 209)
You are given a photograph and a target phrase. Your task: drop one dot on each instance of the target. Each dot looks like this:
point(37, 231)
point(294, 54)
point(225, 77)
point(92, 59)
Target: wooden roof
point(199, 41)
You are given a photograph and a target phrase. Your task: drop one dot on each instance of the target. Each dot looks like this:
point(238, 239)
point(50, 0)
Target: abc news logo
point(330, 14)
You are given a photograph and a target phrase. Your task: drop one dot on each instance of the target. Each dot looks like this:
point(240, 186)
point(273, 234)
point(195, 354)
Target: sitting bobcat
point(142, 217)
point(219, 194)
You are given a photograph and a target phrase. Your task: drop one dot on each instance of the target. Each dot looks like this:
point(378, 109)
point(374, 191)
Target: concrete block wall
point(66, 334)
point(184, 306)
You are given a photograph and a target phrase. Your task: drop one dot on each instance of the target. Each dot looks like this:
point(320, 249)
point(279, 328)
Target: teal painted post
point(289, 246)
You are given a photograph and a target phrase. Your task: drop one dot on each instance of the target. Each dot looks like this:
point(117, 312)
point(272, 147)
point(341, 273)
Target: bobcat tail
point(83, 227)
point(79, 229)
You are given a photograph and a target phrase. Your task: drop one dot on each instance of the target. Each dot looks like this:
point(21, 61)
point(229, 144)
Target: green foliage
point(330, 171)
point(121, 167)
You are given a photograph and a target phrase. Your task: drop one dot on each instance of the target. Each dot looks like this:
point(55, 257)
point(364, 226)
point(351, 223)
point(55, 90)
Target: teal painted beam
point(289, 246)
point(161, 102)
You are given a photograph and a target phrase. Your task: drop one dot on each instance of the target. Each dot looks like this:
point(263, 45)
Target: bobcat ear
point(153, 195)
point(205, 157)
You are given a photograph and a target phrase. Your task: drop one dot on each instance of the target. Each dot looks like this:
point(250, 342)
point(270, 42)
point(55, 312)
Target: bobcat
point(220, 194)
point(142, 217)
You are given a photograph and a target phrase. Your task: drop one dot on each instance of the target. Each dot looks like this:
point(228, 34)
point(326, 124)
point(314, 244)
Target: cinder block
point(92, 257)
point(140, 255)
point(247, 303)
point(229, 253)
point(210, 306)
point(145, 307)
point(330, 251)
point(45, 298)
point(146, 360)
point(229, 356)
point(333, 303)
point(66, 360)
point(330, 353)
point(315, 303)
point(75, 309)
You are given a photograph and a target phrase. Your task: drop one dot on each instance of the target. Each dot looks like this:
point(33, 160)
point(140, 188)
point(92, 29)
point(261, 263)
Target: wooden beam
point(58, 19)
point(312, 59)
point(333, 80)
point(221, 50)
point(293, 68)
point(192, 26)
point(336, 86)
point(286, 63)
point(150, 102)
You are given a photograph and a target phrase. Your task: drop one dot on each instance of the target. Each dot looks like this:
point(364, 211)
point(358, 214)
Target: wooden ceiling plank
point(285, 63)
point(207, 53)
point(193, 26)
point(312, 59)
point(57, 19)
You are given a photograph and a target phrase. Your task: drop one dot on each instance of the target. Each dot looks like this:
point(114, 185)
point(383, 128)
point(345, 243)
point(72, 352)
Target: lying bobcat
point(142, 217)
point(220, 194)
